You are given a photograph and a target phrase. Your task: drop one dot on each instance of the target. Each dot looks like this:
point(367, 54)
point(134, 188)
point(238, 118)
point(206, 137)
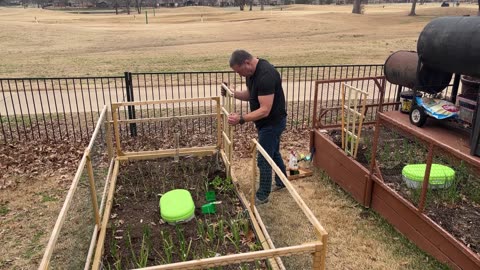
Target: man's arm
point(262, 112)
point(242, 95)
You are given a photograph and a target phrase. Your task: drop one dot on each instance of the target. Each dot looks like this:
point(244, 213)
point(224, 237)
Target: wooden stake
point(93, 191)
point(109, 139)
point(116, 129)
point(426, 178)
point(106, 216)
point(96, 229)
point(254, 176)
point(343, 116)
point(219, 124)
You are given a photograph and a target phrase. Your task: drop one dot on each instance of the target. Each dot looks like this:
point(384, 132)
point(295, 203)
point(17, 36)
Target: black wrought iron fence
point(67, 108)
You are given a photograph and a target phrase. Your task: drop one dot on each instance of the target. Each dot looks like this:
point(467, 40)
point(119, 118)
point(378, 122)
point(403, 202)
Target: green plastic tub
point(441, 176)
point(176, 206)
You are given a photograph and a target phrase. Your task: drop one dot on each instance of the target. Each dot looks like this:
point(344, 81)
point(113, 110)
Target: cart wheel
point(418, 117)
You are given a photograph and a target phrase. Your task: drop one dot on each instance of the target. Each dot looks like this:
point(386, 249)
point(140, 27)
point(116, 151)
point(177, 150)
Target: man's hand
point(223, 91)
point(234, 119)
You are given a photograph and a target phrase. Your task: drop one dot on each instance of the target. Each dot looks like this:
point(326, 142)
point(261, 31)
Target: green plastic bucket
point(176, 206)
point(441, 176)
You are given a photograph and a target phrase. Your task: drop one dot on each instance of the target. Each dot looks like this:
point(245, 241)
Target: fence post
point(131, 109)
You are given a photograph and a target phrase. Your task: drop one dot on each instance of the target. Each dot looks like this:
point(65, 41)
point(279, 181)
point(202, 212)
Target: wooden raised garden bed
point(368, 187)
point(130, 232)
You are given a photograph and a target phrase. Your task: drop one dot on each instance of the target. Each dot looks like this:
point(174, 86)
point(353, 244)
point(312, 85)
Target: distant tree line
point(127, 5)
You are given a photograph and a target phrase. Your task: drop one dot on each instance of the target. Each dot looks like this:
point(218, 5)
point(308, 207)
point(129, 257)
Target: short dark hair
point(239, 57)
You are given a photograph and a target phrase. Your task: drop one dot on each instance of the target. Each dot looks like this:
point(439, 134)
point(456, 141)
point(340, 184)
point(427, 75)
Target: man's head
point(243, 63)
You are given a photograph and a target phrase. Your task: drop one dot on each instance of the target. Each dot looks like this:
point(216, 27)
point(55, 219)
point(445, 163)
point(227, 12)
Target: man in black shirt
point(267, 105)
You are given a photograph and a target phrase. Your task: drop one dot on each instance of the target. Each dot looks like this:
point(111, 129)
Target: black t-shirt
point(266, 81)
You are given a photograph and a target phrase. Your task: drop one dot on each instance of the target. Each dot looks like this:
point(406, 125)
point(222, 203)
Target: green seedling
point(221, 230)
point(167, 246)
point(142, 259)
point(235, 238)
point(183, 247)
point(201, 229)
point(211, 231)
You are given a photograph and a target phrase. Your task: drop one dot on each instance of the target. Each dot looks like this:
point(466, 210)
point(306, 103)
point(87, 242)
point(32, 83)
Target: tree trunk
point(261, 5)
point(251, 4)
point(357, 9)
point(242, 3)
point(412, 11)
point(138, 5)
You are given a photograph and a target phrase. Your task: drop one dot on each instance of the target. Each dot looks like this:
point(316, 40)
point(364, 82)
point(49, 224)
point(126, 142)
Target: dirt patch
point(139, 237)
point(26, 223)
point(456, 208)
point(34, 179)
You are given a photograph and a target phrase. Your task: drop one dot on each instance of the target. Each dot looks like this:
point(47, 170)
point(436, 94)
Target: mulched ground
point(456, 209)
point(135, 217)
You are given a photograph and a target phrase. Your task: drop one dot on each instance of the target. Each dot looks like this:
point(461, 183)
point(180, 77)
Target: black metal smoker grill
point(447, 46)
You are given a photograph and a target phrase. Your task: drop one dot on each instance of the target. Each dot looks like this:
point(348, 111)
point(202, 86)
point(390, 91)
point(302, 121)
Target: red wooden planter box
point(405, 217)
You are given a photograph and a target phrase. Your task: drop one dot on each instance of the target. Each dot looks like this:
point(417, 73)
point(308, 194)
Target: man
point(267, 105)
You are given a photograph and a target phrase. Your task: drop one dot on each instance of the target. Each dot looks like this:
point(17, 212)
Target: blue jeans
point(269, 139)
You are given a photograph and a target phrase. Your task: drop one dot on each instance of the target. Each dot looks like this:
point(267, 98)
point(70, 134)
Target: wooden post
point(108, 138)
point(369, 186)
point(230, 131)
point(116, 129)
point(254, 176)
point(315, 100)
point(343, 115)
point(93, 191)
point(106, 216)
point(219, 124)
point(318, 263)
point(323, 256)
point(426, 178)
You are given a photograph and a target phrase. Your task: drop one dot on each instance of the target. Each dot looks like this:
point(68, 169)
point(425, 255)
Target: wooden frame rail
point(85, 162)
point(155, 154)
point(319, 255)
point(228, 102)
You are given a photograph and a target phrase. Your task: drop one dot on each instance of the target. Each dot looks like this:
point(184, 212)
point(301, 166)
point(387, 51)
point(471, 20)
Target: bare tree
point(138, 6)
point(241, 4)
point(414, 5)
point(357, 7)
point(115, 5)
point(127, 5)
